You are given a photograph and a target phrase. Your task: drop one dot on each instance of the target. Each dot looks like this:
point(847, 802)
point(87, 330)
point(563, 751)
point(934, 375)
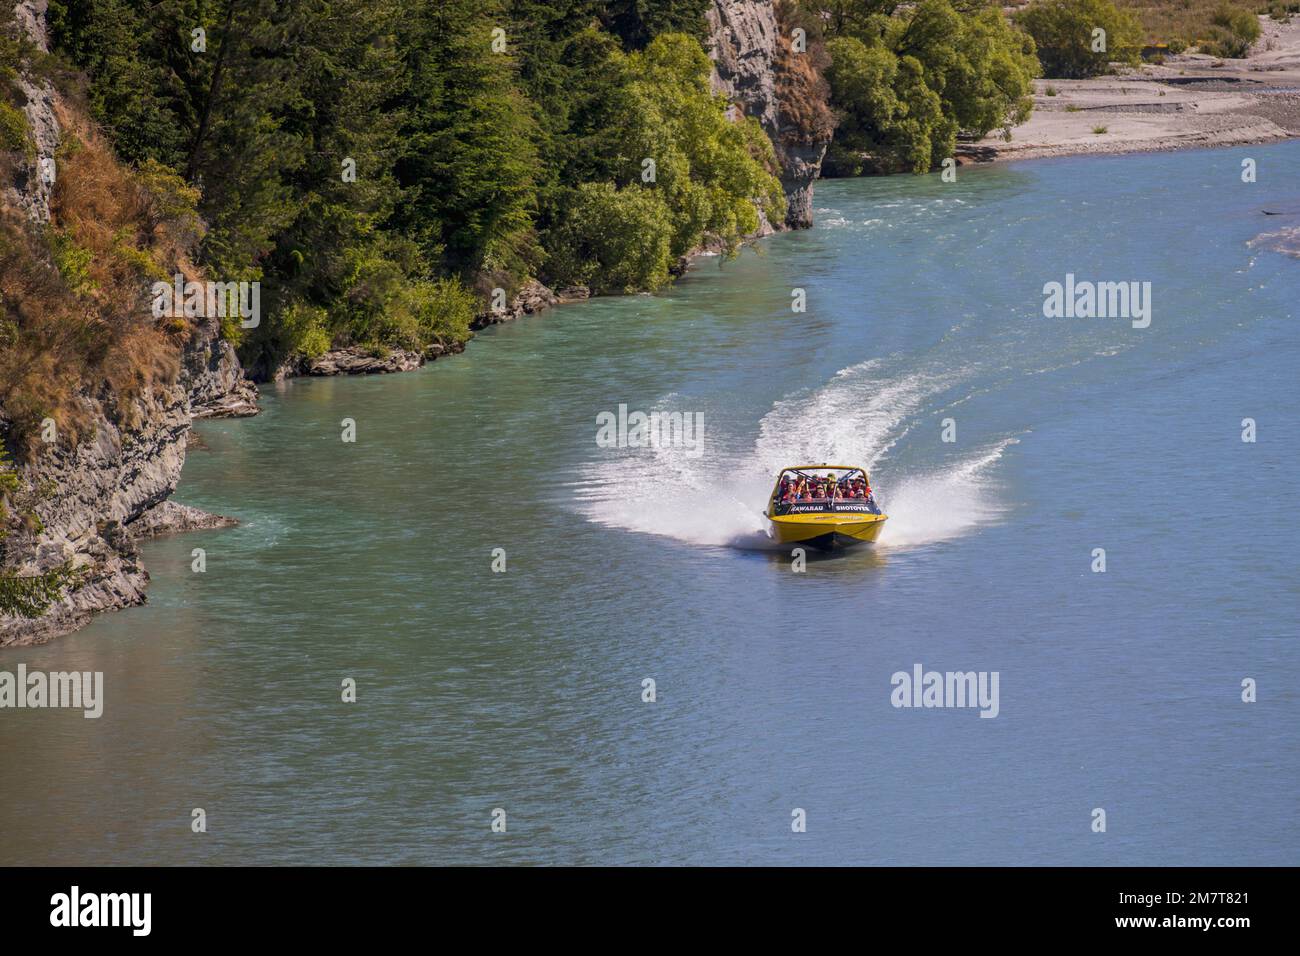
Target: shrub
point(73, 299)
point(1063, 34)
point(302, 330)
point(905, 85)
point(802, 92)
point(73, 262)
point(173, 203)
point(614, 240)
point(13, 131)
point(1232, 33)
point(29, 596)
point(443, 310)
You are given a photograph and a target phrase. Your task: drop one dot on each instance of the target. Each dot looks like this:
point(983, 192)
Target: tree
point(349, 72)
point(1069, 46)
point(368, 161)
point(680, 171)
point(905, 85)
point(614, 240)
point(209, 106)
point(471, 162)
point(637, 22)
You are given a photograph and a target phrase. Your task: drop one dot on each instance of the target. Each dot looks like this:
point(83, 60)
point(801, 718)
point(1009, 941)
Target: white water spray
point(855, 419)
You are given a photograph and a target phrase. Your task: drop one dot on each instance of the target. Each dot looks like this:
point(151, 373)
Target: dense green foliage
point(380, 166)
point(1067, 45)
point(906, 80)
point(14, 55)
point(13, 129)
point(707, 173)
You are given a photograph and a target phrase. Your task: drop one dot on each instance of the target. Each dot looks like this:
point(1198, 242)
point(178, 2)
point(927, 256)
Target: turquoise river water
point(523, 690)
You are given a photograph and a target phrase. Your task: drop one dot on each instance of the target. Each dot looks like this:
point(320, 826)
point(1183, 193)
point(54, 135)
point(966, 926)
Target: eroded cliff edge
point(82, 505)
point(770, 72)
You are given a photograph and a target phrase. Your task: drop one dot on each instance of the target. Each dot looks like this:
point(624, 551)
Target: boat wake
point(860, 417)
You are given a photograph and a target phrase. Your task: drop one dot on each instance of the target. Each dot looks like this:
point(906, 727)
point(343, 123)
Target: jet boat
point(824, 506)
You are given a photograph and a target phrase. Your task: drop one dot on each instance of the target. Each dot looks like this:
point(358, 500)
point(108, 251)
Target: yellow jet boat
point(824, 506)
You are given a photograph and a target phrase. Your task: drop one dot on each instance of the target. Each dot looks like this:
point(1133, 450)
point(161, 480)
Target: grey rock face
point(34, 182)
point(744, 45)
point(172, 517)
point(91, 502)
point(218, 387)
point(532, 297)
point(96, 490)
point(94, 500)
point(801, 164)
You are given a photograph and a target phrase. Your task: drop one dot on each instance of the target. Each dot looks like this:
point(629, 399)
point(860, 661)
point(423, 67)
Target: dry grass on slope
point(801, 89)
point(75, 317)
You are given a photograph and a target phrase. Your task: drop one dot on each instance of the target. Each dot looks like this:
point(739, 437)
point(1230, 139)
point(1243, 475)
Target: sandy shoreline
point(1190, 101)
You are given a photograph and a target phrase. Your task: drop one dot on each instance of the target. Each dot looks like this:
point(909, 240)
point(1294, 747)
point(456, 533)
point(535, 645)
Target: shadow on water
point(862, 558)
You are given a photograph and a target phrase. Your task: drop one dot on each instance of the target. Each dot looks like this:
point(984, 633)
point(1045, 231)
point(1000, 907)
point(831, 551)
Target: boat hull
point(827, 532)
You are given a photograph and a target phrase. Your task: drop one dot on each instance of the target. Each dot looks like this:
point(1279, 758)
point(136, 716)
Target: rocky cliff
point(93, 501)
point(762, 66)
point(84, 505)
point(31, 193)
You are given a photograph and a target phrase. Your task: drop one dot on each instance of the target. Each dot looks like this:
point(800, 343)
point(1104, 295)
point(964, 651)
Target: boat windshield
point(812, 490)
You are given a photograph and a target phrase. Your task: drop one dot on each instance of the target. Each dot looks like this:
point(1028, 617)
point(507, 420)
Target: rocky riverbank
point(755, 68)
point(85, 506)
point(91, 503)
point(114, 487)
point(1190, 100)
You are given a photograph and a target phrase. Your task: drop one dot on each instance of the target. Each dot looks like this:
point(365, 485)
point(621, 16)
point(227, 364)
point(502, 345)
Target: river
point(523, 690)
